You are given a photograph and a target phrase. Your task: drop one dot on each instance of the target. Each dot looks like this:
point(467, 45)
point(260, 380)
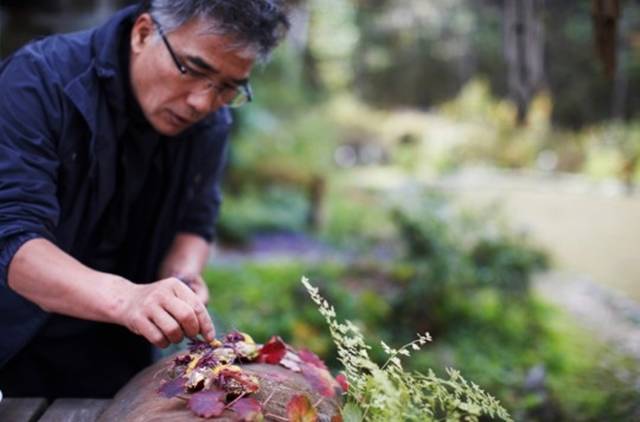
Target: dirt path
point(588, 227)
point(611, 316)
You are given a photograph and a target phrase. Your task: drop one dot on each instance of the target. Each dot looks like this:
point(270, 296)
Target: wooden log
point(139, 400)
point(75, 410)
point(22, 410)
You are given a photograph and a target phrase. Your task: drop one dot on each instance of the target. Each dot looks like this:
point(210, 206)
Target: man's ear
point(141, 33)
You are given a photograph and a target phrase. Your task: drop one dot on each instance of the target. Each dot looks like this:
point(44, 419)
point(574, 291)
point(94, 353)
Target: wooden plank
point(75, 410)
point(22, 410)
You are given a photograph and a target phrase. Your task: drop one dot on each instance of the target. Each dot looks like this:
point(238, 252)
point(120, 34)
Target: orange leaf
point(300, 409)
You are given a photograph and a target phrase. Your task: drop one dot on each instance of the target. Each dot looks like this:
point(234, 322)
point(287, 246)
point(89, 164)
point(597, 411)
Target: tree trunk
point(605, 21)
point(524, 51)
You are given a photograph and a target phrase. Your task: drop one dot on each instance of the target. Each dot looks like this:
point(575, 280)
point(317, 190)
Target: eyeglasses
point(232, 95)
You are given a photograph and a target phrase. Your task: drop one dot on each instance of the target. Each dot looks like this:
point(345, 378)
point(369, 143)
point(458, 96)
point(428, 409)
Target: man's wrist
point(114, 301)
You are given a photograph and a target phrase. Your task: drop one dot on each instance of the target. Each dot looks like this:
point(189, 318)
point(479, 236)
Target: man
point(112, 143)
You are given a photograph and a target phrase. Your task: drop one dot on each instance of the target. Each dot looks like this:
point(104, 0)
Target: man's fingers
point(168, 325)
point(204, 320)
point(184, 314)
point(148, 330)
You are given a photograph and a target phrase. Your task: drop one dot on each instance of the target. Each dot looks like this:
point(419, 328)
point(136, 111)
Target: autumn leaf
point(300, 409)
point(198, 380)
point(234, 380)
point(342, 380)
point(173, 388)
point(320, 379)
point(273, 351)
point(311, 358)
point(207, 404)
point(246, 350)
point(248, 410)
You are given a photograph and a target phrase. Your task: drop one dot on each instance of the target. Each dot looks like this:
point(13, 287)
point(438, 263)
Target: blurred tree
point(524, 51)
point(605, 23)
point(29, 19)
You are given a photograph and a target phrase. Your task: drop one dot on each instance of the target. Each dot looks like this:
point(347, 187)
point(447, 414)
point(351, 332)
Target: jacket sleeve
point(29, 114)
point(204, 194)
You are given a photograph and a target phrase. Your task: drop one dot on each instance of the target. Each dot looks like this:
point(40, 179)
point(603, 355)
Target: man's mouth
point(178, 120)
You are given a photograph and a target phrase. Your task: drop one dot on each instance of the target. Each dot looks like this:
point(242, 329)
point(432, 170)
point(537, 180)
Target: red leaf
point(342, 380)
point(207, 404)
point(300, 409)
point(173, 388)
point(248, 410)
point(337, 418)
point(273, 351)
point(311, 358)
point(320, 379)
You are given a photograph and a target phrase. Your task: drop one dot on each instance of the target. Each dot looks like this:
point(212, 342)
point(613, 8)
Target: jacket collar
point(110, 45)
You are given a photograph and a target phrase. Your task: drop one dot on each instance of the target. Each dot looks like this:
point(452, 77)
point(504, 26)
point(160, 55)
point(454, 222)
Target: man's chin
point(166, 131)
point(168, 127)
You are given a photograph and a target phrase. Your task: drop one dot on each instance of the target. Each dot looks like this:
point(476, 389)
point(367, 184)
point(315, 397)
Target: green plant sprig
point(389, 393)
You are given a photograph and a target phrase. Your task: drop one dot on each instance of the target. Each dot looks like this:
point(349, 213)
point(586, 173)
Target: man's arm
point(162, 312)
point(186, 260)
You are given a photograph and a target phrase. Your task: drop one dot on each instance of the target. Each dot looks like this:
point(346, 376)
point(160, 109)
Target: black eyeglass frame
point(246, 87)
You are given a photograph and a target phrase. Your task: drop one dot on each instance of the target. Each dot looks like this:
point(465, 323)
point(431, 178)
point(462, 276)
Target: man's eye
point(194, 73)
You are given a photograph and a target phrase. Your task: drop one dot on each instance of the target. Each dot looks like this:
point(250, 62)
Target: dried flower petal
point(199, 379)
point(234, 380)
point(225, 355)
point(198, 346)
point(246, 350)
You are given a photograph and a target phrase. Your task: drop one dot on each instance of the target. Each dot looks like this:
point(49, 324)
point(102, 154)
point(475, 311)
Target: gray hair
point(257, 25)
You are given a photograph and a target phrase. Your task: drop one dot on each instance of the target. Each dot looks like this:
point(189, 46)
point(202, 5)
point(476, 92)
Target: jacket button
point(74, 156)
point(197, 178)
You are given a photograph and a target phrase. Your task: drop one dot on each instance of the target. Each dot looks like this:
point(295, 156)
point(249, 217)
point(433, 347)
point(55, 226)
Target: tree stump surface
point(139, 400)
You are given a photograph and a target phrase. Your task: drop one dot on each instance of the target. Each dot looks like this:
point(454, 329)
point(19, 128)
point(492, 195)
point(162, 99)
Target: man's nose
point(203, 103)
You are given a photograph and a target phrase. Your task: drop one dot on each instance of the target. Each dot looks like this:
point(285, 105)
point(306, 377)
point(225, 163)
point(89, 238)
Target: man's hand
point(197, 284)
point(186, 260)
point(166, 311)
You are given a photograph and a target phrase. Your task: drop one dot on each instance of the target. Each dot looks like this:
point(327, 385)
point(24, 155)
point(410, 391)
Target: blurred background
point(467, 168)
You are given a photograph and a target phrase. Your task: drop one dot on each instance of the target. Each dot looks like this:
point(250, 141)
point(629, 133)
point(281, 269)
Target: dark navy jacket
point(62, 108)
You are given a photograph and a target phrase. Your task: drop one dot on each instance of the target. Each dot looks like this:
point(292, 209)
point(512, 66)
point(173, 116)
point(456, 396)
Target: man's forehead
point(202, 38)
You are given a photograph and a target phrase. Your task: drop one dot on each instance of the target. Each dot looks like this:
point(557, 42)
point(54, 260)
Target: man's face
point(172, 101)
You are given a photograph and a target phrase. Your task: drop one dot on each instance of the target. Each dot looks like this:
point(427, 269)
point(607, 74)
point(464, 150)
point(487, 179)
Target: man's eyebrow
point(202, 64)
point(210, 68)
